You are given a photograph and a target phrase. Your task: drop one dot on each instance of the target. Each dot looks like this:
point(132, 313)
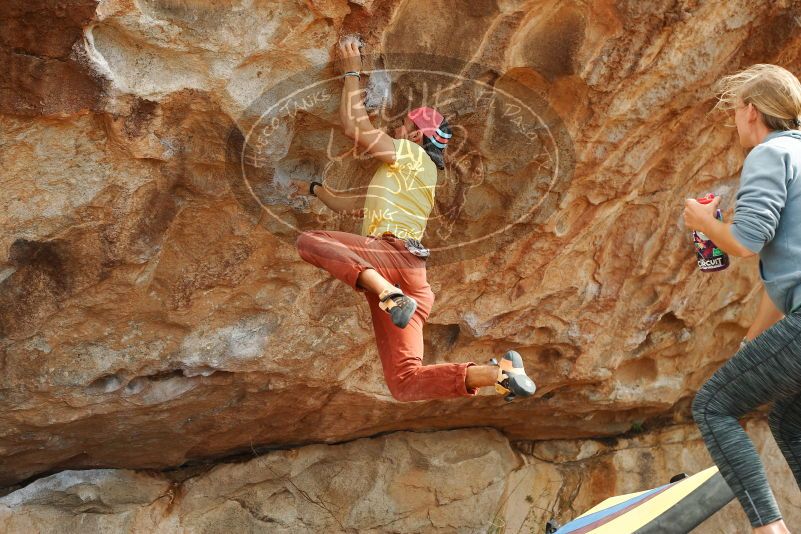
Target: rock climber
point(388, 261)
point(766, 100)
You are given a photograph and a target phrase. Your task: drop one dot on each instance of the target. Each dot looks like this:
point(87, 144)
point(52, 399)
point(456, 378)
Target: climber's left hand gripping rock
point(351, 58)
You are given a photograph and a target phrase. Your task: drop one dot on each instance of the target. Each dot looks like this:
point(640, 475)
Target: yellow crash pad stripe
point(653, 508)
point(610, 502)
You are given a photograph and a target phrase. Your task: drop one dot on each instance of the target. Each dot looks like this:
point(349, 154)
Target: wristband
point(311, 187)
point(353, 73)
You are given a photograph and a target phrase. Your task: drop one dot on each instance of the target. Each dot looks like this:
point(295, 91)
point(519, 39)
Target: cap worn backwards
point(428, 120)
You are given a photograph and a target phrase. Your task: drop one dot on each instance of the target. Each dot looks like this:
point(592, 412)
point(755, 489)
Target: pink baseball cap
point(428, 120)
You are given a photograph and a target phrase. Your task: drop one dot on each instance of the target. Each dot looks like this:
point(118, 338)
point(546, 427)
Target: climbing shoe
point(512, 380)
point(399, 306)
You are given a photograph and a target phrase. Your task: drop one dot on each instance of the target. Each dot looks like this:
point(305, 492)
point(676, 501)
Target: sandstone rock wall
point(153, 310)
point(464, 481)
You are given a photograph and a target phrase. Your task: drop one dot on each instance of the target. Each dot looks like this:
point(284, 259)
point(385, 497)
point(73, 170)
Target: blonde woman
point(766, 100)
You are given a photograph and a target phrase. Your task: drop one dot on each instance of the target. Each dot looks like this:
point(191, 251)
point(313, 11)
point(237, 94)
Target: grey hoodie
point(767, 216)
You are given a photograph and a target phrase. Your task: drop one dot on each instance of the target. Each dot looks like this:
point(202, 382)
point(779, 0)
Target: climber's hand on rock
point(350, 57)
point(300, 188)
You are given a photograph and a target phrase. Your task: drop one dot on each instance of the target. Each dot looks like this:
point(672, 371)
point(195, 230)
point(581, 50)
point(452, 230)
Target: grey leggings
point(764, 370)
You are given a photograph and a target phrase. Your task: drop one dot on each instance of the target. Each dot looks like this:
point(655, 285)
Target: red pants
point(345, 256)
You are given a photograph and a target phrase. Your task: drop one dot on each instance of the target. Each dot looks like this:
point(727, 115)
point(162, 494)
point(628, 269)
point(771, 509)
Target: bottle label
point(710, 257)
point(717, 263)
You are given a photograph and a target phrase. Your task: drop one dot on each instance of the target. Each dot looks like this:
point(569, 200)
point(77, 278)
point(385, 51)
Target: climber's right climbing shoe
point(512, 380)
point(399, 306)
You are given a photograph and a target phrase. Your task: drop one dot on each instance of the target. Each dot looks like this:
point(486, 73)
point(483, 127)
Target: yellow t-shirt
point(401, 196)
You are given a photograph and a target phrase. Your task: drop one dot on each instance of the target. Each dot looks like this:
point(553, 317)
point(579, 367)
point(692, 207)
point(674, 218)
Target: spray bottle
point(710, 257)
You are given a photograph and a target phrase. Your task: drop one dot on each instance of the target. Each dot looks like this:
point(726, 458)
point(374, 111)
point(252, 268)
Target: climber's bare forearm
point(338, 201)
point(357, 125)
point(351, 108)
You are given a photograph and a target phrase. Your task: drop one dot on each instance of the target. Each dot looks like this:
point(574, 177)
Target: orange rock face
point(153, 309)
point(461, 481)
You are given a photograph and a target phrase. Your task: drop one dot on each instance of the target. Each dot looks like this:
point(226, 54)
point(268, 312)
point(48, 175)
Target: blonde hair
point(774, 91)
